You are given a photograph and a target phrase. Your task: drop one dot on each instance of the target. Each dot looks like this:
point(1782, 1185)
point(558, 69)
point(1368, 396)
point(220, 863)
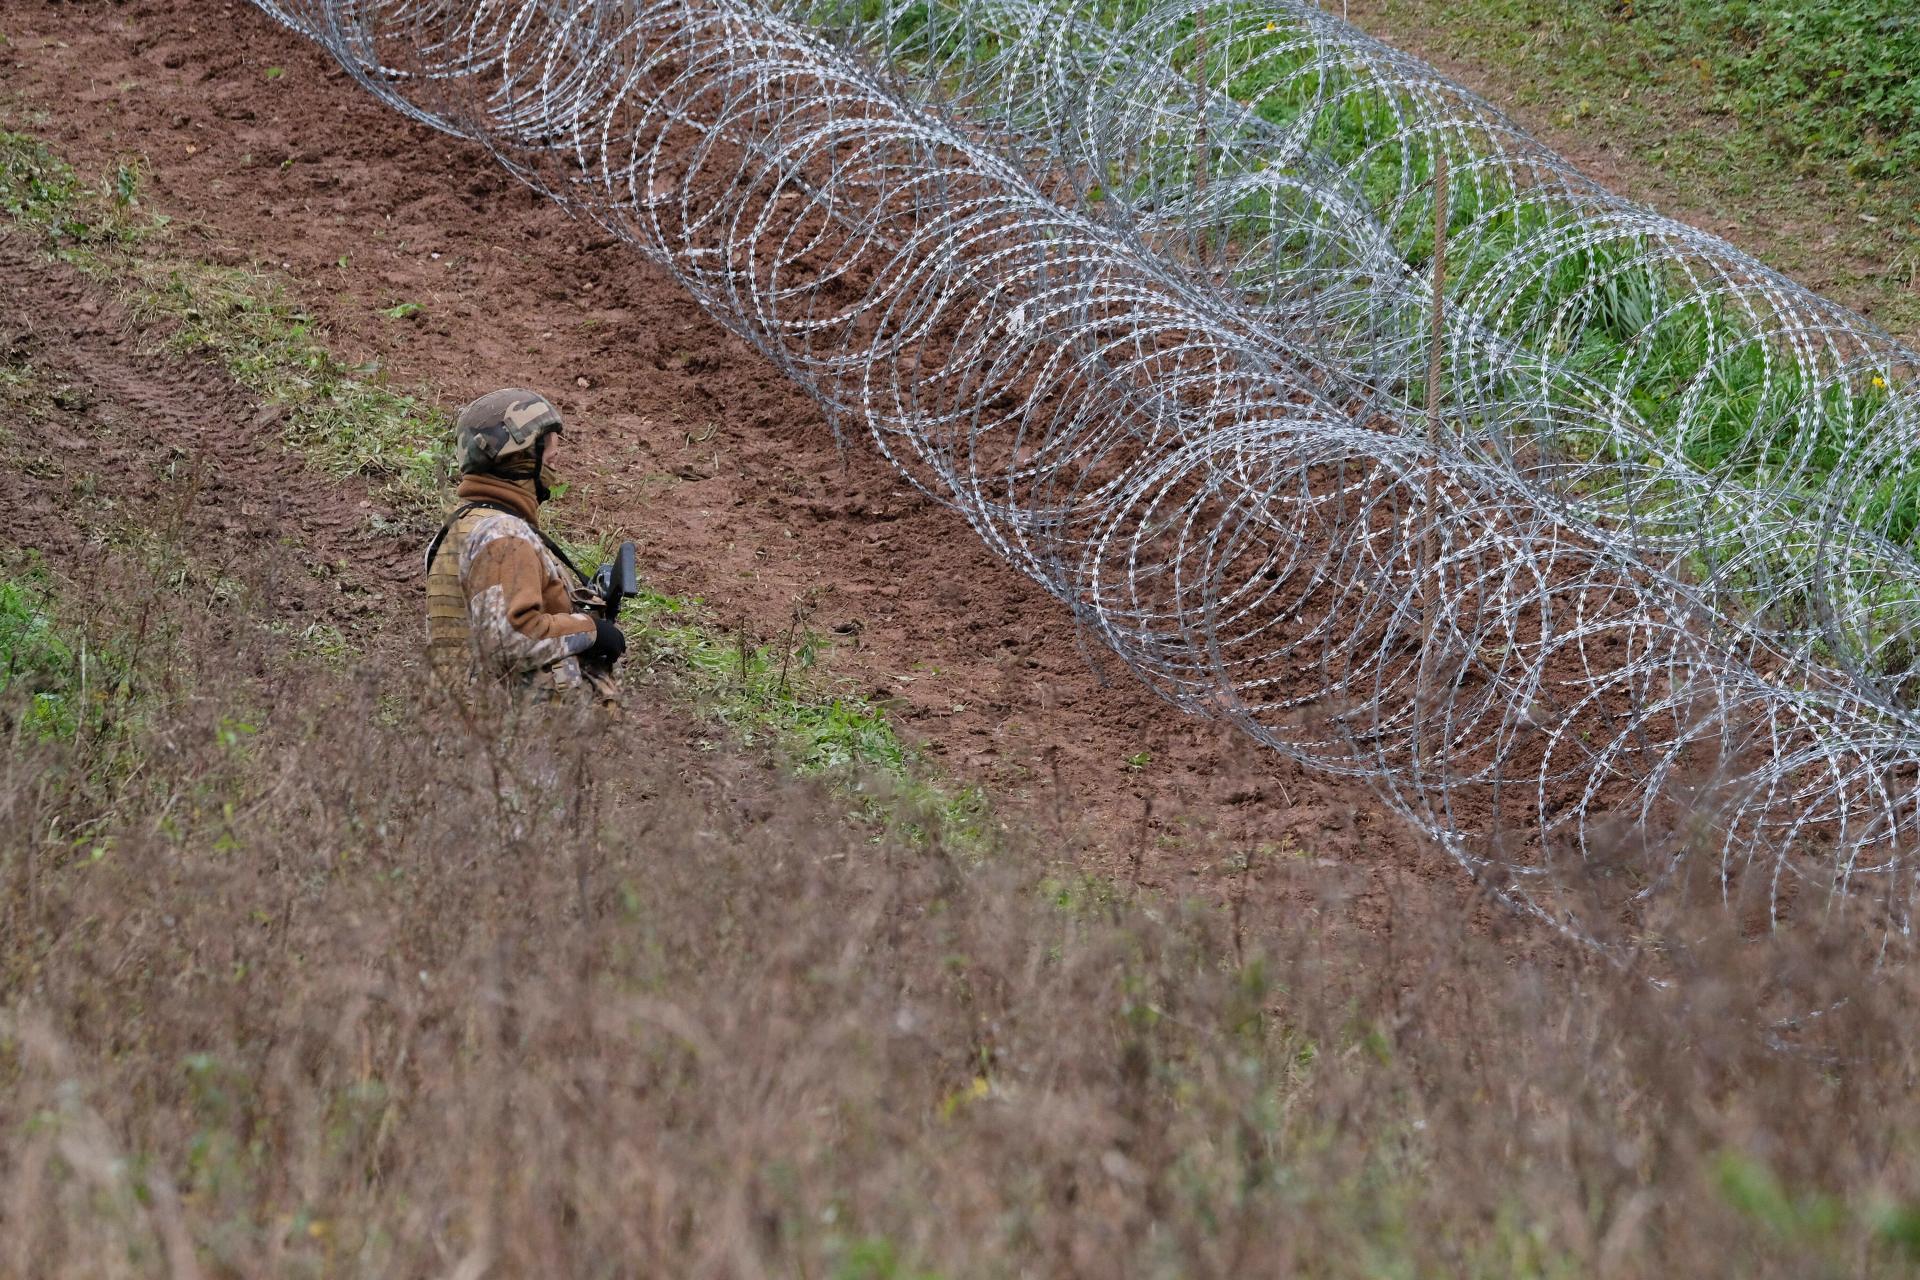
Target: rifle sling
point(433, 548)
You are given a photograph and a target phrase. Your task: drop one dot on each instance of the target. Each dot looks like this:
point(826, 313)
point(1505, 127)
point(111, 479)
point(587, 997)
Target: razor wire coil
point(1144, 295)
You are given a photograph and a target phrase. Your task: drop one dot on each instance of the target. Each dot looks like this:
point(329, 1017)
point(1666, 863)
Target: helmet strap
point(540, 491)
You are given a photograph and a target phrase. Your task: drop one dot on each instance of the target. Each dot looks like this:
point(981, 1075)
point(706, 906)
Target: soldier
point(503, 601)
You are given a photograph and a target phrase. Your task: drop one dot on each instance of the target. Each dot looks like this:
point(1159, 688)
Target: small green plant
point(44, 193)
point(37, 662)
point(1755, 1190)
point(1899, 1226)
point(403, 311)
point(126, 186)
point(61, 681)
point(876, 1258)
point(587, 552)
point(325, 643)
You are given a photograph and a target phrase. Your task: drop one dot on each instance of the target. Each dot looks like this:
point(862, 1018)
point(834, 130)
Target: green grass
point(343, 416)
point(777, 693)
point(1615, 314)
point(1736, 105)
point(1617, 323)
point(42, 192)
point(1614, 308)
point(38, 661)
point(1837, 81)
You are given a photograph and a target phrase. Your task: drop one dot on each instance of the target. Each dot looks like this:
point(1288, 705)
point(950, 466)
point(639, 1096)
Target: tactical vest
point(449, 651)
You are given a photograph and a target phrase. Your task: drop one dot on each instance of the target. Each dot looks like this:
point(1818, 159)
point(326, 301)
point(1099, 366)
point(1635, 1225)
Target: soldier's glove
point(609, 643)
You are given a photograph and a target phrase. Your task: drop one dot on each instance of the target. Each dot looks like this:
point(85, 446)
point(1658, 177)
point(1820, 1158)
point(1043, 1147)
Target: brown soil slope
point(680, 435)
point(140, 450)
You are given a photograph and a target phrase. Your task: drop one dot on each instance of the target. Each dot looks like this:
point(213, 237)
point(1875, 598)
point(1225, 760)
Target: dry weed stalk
point(387, 988)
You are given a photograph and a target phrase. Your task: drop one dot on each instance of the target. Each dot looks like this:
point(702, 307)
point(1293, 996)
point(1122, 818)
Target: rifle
point(616, 580)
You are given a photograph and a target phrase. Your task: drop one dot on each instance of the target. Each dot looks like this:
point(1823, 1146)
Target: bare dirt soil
point(680, 436)
point(141, 438)
point(140, 449)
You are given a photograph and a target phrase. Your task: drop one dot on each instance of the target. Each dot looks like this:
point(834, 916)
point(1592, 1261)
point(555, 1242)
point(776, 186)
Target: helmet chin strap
point(540, 491)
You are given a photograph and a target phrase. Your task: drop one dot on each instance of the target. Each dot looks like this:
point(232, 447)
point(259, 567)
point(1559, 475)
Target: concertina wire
point(1147, 295)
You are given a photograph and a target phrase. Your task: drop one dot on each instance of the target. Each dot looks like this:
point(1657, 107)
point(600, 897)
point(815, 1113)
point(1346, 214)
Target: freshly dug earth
point(140, 448)
point(680, 436)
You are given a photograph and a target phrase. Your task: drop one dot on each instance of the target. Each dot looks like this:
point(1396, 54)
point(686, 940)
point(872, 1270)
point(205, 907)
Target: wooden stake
point(1200, 116)
point(1441, 183)
point(1429, 554)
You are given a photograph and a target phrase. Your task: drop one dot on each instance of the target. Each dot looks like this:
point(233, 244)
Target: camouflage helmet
point(500, 426)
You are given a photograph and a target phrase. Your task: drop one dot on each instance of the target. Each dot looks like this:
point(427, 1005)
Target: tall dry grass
point(302, 974)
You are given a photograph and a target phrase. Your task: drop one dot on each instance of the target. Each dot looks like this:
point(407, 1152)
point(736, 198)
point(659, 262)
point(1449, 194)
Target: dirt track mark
point(136, 438)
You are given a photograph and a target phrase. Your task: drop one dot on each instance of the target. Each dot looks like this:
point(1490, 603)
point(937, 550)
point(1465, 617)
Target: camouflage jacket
point(523, 623)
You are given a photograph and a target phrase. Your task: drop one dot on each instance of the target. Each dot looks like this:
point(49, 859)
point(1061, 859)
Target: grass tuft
point(345, 417)
point(778, 694)
point(37, 662)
